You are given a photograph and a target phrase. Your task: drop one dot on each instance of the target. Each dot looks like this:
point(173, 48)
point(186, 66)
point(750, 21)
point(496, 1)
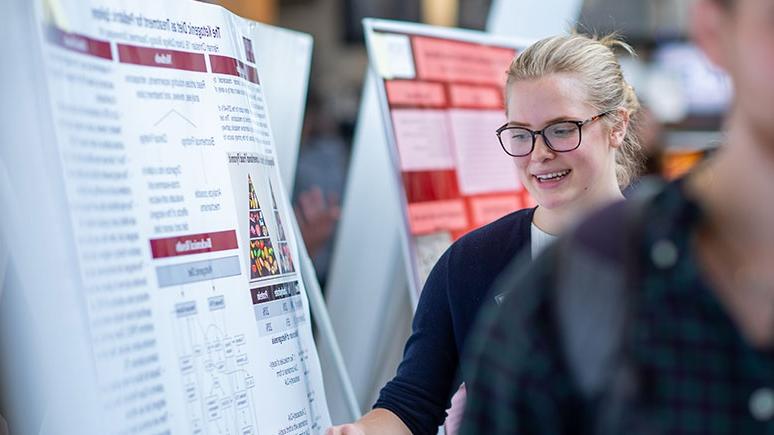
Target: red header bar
point(476, 97)
point(194, 244)
point(160, 57)
point(79, 43)
point(233, 67)
point(275, 292)
point(415, 93)
point(461, 62)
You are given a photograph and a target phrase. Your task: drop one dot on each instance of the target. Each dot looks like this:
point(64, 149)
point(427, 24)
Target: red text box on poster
point(486, 209)
point(429, 217)
point(476, 97)
point(415, 94)
point(463, 62)
point(429, 186)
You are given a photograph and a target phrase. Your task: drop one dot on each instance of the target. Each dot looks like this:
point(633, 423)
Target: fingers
point(344, 429)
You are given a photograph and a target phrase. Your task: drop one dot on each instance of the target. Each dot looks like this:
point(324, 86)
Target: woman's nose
point(542, 152)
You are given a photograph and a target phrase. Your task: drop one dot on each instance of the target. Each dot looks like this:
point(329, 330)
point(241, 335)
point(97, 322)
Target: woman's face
point(588, 172)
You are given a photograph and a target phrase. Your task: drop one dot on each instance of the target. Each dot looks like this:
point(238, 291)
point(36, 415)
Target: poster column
point(178, 219)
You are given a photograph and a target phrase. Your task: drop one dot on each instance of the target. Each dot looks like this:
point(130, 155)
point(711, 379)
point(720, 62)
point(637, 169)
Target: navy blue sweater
point(454, 292)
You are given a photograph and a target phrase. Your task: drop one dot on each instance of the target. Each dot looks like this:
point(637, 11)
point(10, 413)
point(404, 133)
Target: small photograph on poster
point(280, 227)
point(258, 225)
point(286, 258)
point(263, 260)
point(252, 198)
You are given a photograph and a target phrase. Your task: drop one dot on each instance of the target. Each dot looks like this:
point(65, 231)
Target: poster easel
point(377, 291)
point(52, 327)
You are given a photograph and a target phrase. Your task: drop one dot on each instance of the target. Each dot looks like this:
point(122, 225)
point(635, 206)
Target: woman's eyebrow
point(550, 121)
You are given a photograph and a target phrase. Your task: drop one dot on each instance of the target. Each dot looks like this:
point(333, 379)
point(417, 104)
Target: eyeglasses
point(560, 137)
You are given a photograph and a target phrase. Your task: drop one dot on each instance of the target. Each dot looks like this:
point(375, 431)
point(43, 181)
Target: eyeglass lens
point(563, 136)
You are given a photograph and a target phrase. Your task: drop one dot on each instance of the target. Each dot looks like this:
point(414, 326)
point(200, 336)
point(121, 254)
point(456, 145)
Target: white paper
point(158, 154)
point(423, 139)
point(393, 55)
point(482, 165)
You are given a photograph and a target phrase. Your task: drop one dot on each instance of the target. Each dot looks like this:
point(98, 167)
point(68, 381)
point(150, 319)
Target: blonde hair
point(593, 60)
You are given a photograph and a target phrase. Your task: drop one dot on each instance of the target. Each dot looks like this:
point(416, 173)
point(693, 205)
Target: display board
point(531, 19)
point(441, 93)
point(285, 85)
point(196, 313)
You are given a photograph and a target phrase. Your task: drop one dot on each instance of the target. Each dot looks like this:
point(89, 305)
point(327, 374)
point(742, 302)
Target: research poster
point(442, 100)
point(182, 230)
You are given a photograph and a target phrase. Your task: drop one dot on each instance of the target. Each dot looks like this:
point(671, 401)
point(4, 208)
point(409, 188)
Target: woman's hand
point(377, 422)
point(346, 429)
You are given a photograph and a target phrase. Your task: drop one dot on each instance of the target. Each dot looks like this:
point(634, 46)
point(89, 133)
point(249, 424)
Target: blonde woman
point(570, 134)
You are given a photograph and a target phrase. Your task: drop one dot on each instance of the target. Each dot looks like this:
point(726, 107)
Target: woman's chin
point(549, 199)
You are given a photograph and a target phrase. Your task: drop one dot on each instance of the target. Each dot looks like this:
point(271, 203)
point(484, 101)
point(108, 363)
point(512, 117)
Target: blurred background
point(684, 95)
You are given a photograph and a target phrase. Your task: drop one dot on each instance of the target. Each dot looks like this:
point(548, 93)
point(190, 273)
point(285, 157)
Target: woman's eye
point(521, 136)
point(562, 131)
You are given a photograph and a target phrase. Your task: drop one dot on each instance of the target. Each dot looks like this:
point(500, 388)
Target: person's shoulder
point(605, 230)
point(504, 229)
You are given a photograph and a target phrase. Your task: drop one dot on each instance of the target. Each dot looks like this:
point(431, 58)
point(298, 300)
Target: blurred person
point(655, 315)
point(652, 141)
point(317, 218)
point(320, 177)
point(570, 133)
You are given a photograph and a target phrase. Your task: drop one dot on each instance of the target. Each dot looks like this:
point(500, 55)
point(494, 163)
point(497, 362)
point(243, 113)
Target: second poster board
point(441, 97)
point(376, 259)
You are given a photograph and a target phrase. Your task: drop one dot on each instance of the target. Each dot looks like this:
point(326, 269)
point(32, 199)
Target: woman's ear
point(618, 132)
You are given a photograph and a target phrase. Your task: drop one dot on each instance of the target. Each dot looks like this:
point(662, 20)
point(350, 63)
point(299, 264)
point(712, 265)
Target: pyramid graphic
point(263, 261)
point(286, 259)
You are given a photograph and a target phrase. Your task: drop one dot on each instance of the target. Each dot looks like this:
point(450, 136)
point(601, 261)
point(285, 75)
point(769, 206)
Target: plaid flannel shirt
point(695, 373)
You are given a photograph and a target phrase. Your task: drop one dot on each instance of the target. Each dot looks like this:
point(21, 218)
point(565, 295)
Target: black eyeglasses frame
point(540, 132)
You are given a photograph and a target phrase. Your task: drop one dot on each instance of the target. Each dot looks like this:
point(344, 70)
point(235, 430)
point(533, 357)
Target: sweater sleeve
point(419, 393)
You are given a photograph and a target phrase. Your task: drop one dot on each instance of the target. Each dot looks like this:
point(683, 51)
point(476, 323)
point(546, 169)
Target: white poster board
point(185, 307)
point(285, 85)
